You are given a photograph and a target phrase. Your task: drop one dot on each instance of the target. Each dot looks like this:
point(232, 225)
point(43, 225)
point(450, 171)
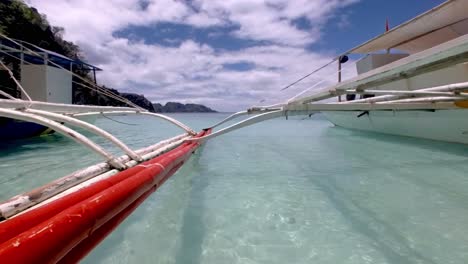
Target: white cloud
point(194, 72)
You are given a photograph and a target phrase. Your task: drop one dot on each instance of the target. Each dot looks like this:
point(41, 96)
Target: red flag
point(387, 27)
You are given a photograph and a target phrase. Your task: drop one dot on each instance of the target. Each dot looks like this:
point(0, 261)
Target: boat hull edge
point(443, 125)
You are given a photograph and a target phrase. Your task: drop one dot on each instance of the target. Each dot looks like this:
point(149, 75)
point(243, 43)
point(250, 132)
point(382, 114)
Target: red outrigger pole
point(67, 229)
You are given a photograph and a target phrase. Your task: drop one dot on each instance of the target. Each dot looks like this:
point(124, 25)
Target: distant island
point(174, 107)
point(169, 107)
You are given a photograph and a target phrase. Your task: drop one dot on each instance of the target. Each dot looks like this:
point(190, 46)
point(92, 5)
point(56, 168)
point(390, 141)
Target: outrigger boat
point(64, 220)
point(421, 91)
point(419, 94)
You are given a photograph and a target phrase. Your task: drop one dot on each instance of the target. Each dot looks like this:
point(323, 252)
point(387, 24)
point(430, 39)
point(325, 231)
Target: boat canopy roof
point(12, 48)
point(438, 25)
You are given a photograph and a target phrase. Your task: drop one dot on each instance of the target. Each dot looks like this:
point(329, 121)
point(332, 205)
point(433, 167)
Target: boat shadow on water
point(193, 228)
point(188, 245)
point(44, 142)
point(458, 149)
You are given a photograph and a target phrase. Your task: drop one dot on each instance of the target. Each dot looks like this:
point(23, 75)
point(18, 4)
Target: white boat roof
point(438, 25)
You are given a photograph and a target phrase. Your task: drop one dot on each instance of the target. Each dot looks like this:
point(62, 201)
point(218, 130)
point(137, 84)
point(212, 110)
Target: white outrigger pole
point(56, 116)
point(60, 116)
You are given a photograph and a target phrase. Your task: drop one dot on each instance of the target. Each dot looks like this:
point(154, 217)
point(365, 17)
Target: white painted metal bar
point(172, 120)
point(322, 95)
point(89, 127)
point(64, 131)
point(233, 116)
point(56, 107)
point(243, 123)
point(406, 93)
point(318, 96)
point(424, 99)
point(454, 87)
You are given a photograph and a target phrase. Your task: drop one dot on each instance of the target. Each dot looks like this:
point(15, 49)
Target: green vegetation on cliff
point(19, 21)
point(173, 107)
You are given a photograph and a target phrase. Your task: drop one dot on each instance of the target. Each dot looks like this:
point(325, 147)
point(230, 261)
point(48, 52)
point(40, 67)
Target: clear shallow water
point(296, 191)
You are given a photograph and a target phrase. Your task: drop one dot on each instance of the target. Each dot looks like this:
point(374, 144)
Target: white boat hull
point(444, 125)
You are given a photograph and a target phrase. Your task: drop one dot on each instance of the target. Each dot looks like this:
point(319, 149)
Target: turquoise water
point(296, 191)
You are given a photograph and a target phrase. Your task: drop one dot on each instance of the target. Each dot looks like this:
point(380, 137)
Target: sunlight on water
point(296, 191)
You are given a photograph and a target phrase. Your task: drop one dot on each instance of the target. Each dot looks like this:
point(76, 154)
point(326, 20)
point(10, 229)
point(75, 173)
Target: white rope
point(291, 100)
point(406, 93)
point(318, 83)
point(306, 90)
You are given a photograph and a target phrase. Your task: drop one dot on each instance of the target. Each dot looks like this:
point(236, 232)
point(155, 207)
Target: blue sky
point(228, 54)
point(367, 20)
